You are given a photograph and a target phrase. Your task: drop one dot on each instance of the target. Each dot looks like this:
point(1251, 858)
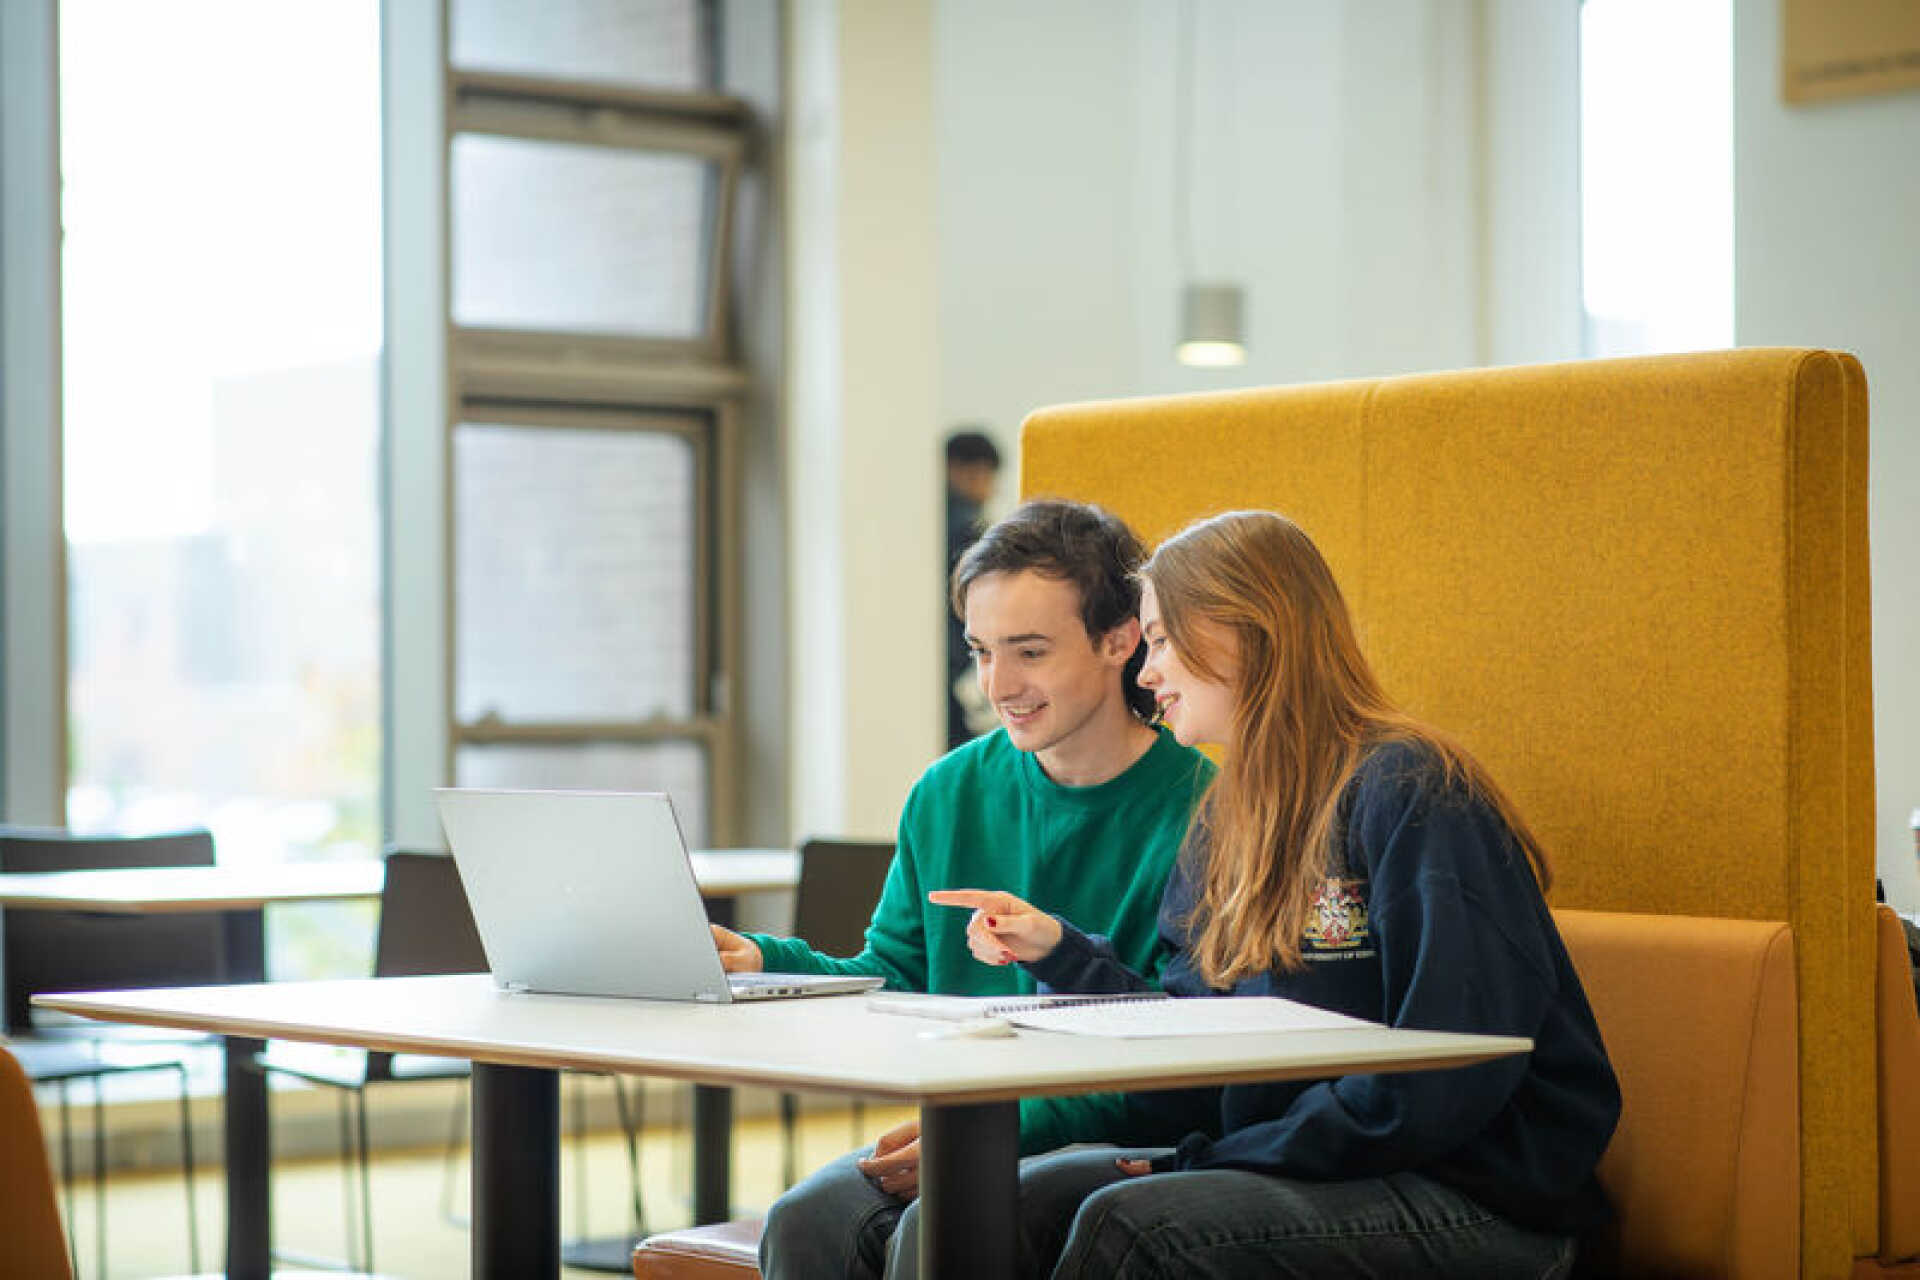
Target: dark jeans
point(1080, 1218)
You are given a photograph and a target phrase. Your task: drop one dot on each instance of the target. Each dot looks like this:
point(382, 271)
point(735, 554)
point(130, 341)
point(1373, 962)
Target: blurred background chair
point(840, 883)
point(77, 951)
point(426, 927)
point(29, 1213)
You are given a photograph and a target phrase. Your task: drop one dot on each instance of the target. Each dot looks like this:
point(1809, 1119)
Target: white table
point(721, 873)
point(240, 894)
point(967, 1089)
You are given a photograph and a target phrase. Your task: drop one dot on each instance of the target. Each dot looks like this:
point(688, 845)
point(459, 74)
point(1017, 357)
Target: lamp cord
point(1183, 91)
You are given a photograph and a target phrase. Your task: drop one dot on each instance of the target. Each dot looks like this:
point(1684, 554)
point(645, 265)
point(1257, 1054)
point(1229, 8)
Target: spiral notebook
point(1132, 1016)
point(961, 1008)
point(1203, 1016)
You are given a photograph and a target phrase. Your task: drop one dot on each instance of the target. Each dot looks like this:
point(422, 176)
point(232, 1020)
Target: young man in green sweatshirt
point(1076, 804)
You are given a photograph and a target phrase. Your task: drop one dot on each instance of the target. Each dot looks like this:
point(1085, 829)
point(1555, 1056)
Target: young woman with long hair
point(1349, 857)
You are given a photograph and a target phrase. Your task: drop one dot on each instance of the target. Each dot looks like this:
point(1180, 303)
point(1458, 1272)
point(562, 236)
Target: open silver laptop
point(592, 893)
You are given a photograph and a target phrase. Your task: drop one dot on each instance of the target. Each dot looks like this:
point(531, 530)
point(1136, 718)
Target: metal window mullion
point(704, 730)
point(699, 105)
point(450, 545)
point(694, 386)
point(690, 425)
point(596, 126)
point(724, 765)
point(703, 561)
point(719, 256)
point(35, 706)
point(706, 602)
point(575, 351)
point(455, 395)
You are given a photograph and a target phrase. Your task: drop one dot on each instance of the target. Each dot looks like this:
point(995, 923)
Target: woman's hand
point(737, 954)
point(894, 1166)
point(1003, 929)
point(1134, 1168)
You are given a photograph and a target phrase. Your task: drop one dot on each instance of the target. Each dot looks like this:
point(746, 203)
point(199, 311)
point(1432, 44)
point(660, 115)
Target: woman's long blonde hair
point(1307, 709)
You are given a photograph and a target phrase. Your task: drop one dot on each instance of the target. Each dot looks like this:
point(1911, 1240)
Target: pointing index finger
point(978, 899)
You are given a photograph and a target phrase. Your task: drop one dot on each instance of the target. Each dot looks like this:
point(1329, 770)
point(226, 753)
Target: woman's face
point(1197, 709)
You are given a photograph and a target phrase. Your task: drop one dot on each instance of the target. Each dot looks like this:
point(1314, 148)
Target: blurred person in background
point(973, 469)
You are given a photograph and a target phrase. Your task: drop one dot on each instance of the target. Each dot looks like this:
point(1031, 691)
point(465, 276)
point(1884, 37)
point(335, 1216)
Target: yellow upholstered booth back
point(1637, 589)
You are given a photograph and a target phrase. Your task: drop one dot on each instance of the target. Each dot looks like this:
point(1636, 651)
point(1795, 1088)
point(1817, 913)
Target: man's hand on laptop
point(737, 954)
point(894, 1166)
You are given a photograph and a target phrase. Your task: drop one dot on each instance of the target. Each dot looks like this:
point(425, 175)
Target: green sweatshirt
point(986, 816)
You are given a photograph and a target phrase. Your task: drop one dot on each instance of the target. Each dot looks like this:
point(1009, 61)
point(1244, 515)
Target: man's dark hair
point(1073, 542)
point(971, 446)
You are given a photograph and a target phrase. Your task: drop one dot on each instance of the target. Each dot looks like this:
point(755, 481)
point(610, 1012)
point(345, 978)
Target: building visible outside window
point(221, 338)
point(1656, 112)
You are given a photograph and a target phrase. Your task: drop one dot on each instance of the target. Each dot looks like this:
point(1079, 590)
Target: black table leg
point(969, 1188)
point(712, 1153)
point(516, 1172)
point(249, 1202)
point(713, 1126)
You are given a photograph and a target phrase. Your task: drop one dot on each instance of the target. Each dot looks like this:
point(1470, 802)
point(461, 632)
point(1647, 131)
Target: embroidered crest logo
point(1339, 918)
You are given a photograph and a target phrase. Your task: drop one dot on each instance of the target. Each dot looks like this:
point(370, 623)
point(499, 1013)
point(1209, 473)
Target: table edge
point(1412, 1059)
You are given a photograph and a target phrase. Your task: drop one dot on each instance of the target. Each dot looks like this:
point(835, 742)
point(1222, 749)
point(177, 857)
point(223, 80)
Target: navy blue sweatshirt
point(1431, 920)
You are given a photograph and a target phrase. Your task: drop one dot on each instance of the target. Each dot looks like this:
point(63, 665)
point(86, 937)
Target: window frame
point(700, 429)
point(549, 378)
point(708, 127)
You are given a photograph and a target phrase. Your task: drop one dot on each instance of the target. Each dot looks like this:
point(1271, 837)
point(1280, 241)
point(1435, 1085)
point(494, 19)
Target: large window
point(221, 337)
point(222, 303)
point(593, 429)
point(1656, 150)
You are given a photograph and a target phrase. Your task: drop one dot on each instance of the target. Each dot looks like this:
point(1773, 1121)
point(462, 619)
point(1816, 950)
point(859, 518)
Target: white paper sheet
point(1225, 1015)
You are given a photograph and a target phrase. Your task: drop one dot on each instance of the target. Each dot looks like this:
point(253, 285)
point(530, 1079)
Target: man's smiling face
point(1046, 677)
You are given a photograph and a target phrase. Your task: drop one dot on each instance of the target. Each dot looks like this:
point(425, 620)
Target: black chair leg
point(456, 1130)
point(630, 1122)
point(366, 1186)
point(347, 1216)
point(579, 1159)
point(789, 1138)
point(684, 1123)
point(186, 1173)
point(66, 1172)
point(100, 1170)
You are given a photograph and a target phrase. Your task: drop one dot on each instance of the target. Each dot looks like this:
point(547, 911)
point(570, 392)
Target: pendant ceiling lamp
point(1212, 313)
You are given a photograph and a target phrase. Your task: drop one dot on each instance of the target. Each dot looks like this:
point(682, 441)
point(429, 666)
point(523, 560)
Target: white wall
point(1339, 177)
point(864, 554)
point(1827, 253)
point(1531, 305)
point(1034, 141)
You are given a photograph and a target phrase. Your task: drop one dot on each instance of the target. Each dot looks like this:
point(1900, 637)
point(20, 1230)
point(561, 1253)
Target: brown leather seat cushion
point(1899, 1032)
point(1698, 1018)
point(723, 1251)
